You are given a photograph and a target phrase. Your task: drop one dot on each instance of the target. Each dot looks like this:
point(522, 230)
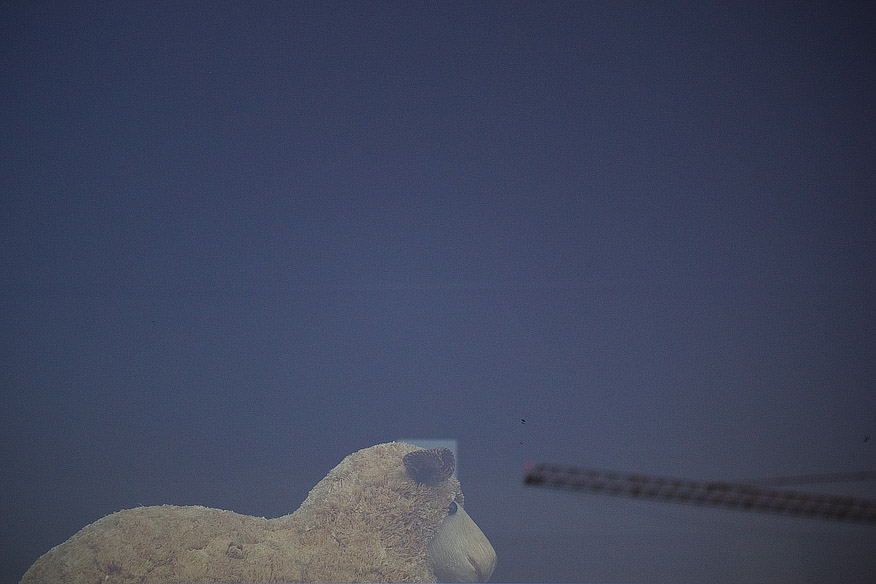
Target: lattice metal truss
point(739, 496)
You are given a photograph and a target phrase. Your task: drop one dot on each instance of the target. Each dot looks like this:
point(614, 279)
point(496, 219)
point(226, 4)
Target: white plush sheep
point(389, 513)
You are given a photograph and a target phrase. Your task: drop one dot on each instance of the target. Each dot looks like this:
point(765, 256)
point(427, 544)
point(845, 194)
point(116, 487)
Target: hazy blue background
point(241, 240)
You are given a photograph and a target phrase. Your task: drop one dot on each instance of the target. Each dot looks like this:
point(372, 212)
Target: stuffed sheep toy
point(389, 513)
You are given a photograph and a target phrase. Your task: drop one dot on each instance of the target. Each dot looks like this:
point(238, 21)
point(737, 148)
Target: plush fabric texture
point(368, 520)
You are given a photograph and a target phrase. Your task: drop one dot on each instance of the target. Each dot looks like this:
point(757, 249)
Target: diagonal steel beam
point(727, 495)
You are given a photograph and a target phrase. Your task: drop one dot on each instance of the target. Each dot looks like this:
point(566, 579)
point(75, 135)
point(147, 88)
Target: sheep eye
point(452, 508)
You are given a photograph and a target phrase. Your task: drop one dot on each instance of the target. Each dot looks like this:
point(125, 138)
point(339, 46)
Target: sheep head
point(400, 504)
point(459, 551)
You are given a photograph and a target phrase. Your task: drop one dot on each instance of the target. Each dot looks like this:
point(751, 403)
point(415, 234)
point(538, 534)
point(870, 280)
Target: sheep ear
point(430, 466)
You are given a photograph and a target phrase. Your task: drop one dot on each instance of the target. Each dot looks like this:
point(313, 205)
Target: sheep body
point(366, 521)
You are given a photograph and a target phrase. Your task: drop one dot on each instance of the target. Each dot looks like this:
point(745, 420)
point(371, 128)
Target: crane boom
point(740, 496)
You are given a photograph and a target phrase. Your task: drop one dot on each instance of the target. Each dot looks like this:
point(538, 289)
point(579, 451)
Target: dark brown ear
point(430, 466)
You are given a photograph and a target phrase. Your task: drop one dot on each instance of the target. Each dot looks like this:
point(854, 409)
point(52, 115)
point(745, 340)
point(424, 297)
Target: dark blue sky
point(242, 240)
